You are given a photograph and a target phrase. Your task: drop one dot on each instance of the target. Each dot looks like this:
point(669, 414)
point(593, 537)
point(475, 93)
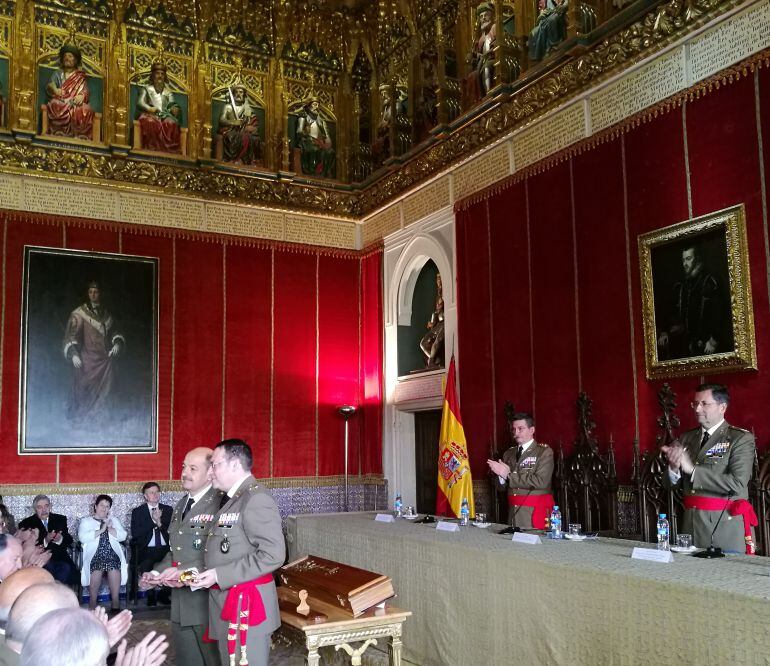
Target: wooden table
point(340, 630)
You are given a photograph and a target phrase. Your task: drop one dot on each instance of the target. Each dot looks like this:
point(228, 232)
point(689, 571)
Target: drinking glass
point(684, 540)
point(574, 529)
point(481, 517)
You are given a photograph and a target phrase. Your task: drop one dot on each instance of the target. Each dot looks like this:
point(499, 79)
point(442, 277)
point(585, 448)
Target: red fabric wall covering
point(600, 228)
point(511, 304)
point(198, 306)
point(553, 316)
point(650, 163)
point(338, 325)
point(371, 336)
point(247, 376)
point(146, 466)
point(474, 327)
point(218, 294)
point(294, 413)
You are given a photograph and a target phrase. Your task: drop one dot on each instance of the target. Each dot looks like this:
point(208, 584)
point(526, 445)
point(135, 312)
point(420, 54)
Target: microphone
point(712, 552)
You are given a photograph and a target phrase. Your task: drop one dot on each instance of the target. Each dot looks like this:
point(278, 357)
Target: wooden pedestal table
point(332, 627)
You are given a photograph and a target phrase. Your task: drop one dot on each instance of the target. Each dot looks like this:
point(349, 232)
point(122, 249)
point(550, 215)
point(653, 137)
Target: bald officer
point(245, 546)
point(187, 534)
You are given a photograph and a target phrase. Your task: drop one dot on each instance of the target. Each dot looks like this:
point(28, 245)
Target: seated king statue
point(160, 114)
point(69, 113)
point(239, 129)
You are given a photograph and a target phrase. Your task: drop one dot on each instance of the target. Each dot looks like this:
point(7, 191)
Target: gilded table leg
point(395, 647)
point(313, 657)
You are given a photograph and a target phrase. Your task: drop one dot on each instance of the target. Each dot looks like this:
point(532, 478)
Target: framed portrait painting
point(89, 352)
point(696, 297)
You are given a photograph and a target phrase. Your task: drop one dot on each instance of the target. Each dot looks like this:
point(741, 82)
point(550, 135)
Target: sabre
point(232, 101)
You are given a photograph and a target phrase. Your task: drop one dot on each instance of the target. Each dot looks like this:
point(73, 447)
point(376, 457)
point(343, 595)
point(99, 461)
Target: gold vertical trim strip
point(762, 181)
point(575, 273)
point(491, 321)
point(120, 241)
point(529, 287)
point(272, 353)
point(628, 280)
point(64, 245)
point(115, 468)
point(224, 336)
point(173, 360)
point(317, 349)
point(686, 158)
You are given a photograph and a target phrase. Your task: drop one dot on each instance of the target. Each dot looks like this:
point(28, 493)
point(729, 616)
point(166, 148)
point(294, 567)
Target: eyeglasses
point(702, 404)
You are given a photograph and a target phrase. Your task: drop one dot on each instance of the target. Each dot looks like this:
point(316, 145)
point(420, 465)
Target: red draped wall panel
point(247, 350)
point(294, 412)
point(338, 331)
point(238, 320)
point(370, 421)
point(474, 326)
point(703, 154)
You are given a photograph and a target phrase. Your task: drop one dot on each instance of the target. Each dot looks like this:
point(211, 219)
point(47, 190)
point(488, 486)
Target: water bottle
point(663, 532)
point(555, 523)
point(399, 506)
point(465, 512)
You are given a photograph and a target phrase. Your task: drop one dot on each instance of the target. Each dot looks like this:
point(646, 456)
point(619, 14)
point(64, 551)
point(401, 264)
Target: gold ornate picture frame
point(696, 297)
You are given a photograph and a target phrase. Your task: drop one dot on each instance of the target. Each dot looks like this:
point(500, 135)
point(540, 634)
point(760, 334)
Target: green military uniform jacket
point(724, 463)
point(530, 476)
point(251, 524)
point(189, 607)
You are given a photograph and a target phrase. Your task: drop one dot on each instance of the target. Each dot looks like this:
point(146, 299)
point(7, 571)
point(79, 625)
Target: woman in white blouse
point(101, 535)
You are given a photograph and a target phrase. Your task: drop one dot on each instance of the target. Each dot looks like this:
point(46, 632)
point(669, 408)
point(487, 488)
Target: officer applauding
point(245, 545)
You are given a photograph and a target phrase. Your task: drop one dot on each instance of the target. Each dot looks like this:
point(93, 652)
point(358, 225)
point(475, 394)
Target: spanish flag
point(454, 470)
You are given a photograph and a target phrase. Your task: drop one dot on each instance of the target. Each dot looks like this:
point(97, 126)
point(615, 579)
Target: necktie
point(519, 452)
point(225, 499)
point(158, 544)
point(187, 508)
point(705, 438)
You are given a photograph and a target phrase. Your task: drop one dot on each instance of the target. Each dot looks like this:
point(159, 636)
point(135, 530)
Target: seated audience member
point(28, 608)
point(10, 555)
point(75, 637)
point(54, 536)
point(101, 535)
point(149, 531)
point(526, 470)
point(7, 521)
point(15, 584)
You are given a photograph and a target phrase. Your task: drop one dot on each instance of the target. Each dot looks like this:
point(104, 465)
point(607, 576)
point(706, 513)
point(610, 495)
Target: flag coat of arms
point(454, 470)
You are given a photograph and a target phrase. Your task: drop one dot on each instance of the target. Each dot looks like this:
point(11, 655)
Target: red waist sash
point(739, 507)
point(252, 613)
point(541, 507)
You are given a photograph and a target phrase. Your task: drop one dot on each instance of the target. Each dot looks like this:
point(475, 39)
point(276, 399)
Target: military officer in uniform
point(713, 464)
point(245, 546)
point(526, 469)
point(187, 533)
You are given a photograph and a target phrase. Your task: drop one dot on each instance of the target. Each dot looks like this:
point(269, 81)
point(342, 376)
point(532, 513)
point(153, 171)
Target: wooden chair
point(653, 497)
point(586, 482)
point(96, 134)
point(137, 142)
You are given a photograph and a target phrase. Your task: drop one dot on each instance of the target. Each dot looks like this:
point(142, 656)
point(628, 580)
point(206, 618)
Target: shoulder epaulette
point(732, 427)
point(543, 444)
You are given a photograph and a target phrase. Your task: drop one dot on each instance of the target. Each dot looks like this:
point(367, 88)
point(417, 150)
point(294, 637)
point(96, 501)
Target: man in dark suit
point(149, 531)
point(54, 536)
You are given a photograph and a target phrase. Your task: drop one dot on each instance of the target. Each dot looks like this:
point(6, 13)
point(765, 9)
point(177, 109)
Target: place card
point(445, 526)
point(525, 537)
point(652, 555)
point(384, 518)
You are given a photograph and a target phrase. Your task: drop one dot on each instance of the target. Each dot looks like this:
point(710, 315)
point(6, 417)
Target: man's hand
point(498, 467)
point(114, 351)
point(117, 627)
point(151, 651)
point(678, 458)
point(204, 579)
point(77, 362)
point(710, 347)
point(148, 581)
point(53, 537)
point(170, 577)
